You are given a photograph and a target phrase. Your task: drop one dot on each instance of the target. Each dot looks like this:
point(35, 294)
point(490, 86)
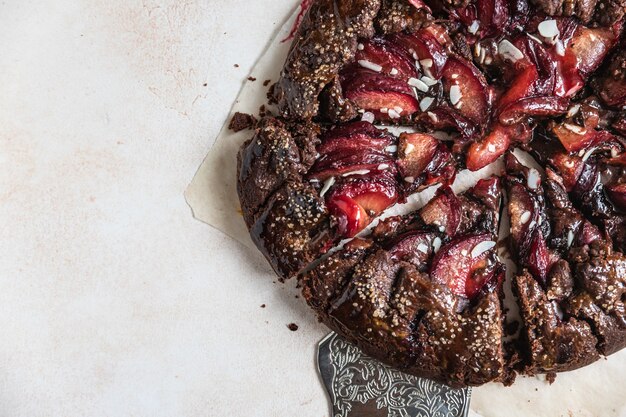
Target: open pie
point(468, 81)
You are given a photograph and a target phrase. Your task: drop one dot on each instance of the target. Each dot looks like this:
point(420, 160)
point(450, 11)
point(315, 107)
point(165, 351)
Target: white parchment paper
point(596, 390)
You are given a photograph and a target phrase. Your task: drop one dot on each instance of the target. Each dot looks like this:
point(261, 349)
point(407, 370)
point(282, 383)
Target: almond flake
point(368, 117)
point(575, 128)
point(482, 247)
point(509, 51)
point(370, 65)
point(428, 81)
point(455, 94)
point(427, 63)
point(548, 29)
point(525, 217)
point(425, 103)
point(436, 244)
point(473, 28)
point(393, 114)
point(573, 111)
point(433, 117)
point(533, 179)
point(357, 172)
point(414, 82)
point(327, 184)
point(392, 148)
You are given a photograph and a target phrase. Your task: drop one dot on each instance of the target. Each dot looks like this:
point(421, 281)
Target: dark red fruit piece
point(570, 168)
point(415, 246)
point(474, 95)
point(489, 191)
point(442, 118)
point(490, 148)
point(415, 152)
point(350, 217)
point(443, 211)
point(522, 86)
point(461, 264)
point(373, 91)
point(533, 107)
point(356, 128)
point(522, 213)
point(425, 46)
point(389, 56)
point(575, 138)
point(539, 259)
point(589, 46)
point(493, 16)
point(356, 200)
point(619, 160)
point(354, 142)
point(588, 233)
point(617, 194)
point(344, 161)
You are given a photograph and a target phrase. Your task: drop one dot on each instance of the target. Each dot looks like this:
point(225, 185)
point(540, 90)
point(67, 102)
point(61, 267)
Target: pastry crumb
point(242, 121)
point(292, 326)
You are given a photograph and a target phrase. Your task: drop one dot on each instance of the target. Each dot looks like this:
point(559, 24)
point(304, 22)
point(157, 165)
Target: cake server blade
point(359, 386)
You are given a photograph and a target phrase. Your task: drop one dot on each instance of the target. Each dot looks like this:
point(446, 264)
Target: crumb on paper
point(551, 377)
point(251, 79)
point(262, 305)
point(270, 95)
point(292, 326)
point(236, 65)
point(205, 84)
point(242, 121)
point(266, 83)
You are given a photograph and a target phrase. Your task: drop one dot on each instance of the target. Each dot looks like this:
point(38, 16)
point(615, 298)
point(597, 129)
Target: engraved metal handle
point(359, 386)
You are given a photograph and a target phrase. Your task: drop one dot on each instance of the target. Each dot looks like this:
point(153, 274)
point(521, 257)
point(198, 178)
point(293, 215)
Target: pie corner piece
point(472, 80)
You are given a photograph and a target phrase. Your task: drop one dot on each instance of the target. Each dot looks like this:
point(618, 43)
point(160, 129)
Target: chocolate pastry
point(424, 292)
point(468, 80)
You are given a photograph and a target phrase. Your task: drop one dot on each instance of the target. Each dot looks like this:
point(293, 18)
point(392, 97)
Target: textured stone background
point(114, 301)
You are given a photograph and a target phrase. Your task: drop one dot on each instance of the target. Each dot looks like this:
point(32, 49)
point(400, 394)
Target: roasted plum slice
point(425, 49)
point(542, 106)
point(466, 264)
point(348, 161)
point(385, 96)
point(448, 118)
point(354, 201)
point(523, 215)
point(490, 148)
point(589, 47)
point(391, 58)
point(443, 211)
point(466, 89)
point(355, 136)
point(414, 246)
point(422, 159)
point(484, 18)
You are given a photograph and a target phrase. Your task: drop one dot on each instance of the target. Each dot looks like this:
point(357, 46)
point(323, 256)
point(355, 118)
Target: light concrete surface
point(114, 301)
